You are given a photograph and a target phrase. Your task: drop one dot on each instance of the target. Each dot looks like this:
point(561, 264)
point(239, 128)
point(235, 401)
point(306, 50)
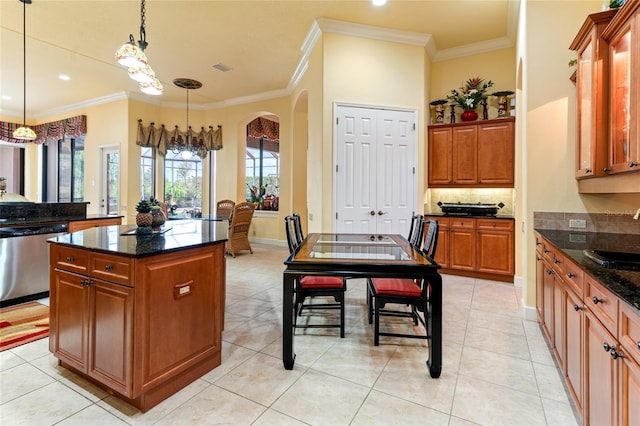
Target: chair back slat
point(298, 228)
point(289, 226)
point(224, 208)
point(416, 231)
point(431, 238)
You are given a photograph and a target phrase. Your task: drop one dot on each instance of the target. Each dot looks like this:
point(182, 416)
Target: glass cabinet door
point(619, 151)
point(585, 110)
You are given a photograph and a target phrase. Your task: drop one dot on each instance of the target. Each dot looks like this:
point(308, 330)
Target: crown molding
point(88, 103)
point(473, 49)
point(371, 32)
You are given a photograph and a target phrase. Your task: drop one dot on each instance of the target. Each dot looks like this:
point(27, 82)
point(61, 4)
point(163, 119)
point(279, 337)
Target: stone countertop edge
point(179, 235)
point(465, 216)
point(623, 283)
point(53, 219)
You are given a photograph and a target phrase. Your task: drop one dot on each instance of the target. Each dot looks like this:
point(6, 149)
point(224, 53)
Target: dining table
point(362, 256)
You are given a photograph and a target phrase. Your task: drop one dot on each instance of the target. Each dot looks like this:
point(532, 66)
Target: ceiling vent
point(222, 67)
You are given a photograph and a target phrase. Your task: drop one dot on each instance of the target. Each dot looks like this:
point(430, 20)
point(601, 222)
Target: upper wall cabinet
point(593, 95)
point(471, 154)
point(623, 37)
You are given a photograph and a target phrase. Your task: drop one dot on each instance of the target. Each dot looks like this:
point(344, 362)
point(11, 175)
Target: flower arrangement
point(257, 195)
point(471, 93)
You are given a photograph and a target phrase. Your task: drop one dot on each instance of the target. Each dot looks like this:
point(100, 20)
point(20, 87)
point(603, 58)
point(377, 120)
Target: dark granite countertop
point(457, 216)
point(178, 235)
point(17, 221)
point(624, 283)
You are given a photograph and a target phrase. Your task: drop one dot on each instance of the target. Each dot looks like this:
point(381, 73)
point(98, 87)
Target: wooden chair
point(416, 232)
point(313, 286)
point(239, 228)
point(224, 209)
point(402, 291)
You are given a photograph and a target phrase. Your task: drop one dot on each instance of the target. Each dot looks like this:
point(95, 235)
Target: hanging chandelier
point(132, 56)
point(187, 146)
point(23, 132)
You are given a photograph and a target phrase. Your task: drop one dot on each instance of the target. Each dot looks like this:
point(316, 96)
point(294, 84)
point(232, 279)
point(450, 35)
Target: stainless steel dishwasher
point(24, 261)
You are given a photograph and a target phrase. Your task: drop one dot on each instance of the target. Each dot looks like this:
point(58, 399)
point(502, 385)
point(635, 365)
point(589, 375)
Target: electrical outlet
point(577, 223)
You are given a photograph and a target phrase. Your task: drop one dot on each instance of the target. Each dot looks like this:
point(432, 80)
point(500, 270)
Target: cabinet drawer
point(69, 259)
point(602, 303)
point(443, 222)
point(629, 333)
point(573, 276)
point(539, 244)
point(112, 268)
point(495, 224)
point(463, 223)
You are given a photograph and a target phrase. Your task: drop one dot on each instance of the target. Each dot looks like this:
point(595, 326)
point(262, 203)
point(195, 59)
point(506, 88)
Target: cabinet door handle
point(577, 308)
point(639, 344)
point(546, 251)
point(615, 355)
point(596, 300)
point(108, 268)
point(632, 164)
point(607, 347)
point(587, 170)
point(549, 272)
point(70, 259)
point(570, 275)
point(538, 243)
point(606, 169)
point(538, 258)
point(556, 261)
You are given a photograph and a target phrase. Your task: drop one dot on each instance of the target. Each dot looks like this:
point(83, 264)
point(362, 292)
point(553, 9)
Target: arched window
point(262, 163)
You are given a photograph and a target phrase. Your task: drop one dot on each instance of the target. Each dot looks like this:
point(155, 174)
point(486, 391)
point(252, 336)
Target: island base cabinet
point(146, 340)
point(101, 346)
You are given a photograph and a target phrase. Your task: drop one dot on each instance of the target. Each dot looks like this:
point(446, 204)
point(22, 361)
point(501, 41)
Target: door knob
point(380, 212)
point(372, 213)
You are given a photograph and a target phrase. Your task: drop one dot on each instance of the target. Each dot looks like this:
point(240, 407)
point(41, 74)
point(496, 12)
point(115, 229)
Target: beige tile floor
point(497, 368)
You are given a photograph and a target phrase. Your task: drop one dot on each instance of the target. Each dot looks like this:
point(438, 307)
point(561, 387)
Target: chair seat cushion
point(396, 287)
point(321, 282)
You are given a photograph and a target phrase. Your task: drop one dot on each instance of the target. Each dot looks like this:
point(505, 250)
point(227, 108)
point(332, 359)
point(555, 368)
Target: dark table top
point(624, 283)
point(174, 236)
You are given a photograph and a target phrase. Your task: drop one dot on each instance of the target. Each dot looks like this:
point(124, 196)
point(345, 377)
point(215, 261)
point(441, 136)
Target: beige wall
point(371, 72)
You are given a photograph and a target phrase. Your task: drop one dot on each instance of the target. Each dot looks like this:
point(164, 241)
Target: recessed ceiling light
point(379, 2)
point(6, 97)
point(64, 77)
point(222, 67)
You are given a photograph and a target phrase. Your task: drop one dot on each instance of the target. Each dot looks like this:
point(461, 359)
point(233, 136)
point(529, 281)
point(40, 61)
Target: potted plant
point(469, 96)
point(144, 218)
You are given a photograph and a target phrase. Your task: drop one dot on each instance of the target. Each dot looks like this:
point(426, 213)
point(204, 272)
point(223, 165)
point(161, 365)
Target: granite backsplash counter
point(624, 283)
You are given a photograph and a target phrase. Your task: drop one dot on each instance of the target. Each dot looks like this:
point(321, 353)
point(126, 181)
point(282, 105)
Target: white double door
point(375, 170)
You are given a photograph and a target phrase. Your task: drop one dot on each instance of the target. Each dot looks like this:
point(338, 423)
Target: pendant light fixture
point(187, 148)
point(132, 56)
point(24, 133)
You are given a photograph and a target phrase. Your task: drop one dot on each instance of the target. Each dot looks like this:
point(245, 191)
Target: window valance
point(264, 128)
point(72, 127)
point(165, 140)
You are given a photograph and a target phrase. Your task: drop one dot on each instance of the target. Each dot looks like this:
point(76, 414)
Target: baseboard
point(271, 241)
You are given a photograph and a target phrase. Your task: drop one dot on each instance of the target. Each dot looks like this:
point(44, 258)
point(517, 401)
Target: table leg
point(288, 355)
point(435, 326)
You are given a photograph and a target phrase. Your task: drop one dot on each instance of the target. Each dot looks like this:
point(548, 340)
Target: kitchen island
point(139, 315)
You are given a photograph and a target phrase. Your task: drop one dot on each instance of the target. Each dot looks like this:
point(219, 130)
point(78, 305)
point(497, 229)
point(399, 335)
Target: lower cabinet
point(595, 338)
point(93, 328)
point(476, 246)
point(79, 225)
point(142, 327)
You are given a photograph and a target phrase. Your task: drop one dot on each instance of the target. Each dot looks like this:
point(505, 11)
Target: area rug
point(22, 324)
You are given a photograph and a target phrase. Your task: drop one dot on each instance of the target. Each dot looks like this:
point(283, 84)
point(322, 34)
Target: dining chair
point(402, 291)
point(313, 286)
point(224, 209)
point(239, 228)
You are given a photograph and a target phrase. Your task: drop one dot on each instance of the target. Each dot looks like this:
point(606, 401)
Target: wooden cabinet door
point(465, 155)
point(496, 155)
point(495, 252)
point(442, 250)
point(547, 299)
point(558, 320)
point(573, 332)
point(539, 287)
point(630, 393)
point(440, 156)
point(110, 335)
point(462, 252)
point(600, 374)
point(69, 318)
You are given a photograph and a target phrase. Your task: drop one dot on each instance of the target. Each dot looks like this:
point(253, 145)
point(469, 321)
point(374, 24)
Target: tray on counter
point(134, 231)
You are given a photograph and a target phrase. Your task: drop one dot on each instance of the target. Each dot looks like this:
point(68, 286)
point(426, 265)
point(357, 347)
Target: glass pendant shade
point(24, 133)
point(131, 56)
point(142, 75)
point(153, 88)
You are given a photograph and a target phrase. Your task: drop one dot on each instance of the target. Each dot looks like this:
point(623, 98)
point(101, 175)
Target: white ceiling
point(261, 40)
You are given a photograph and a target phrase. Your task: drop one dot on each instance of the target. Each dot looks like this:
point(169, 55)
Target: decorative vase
point(144, 219)
point(158, 218)
point(3, 185)
point(469, 115)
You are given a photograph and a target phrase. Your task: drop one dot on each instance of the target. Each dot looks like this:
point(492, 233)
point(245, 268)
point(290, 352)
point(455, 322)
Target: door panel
point(375, 170)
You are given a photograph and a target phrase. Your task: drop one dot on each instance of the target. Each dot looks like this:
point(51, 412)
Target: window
point(183, 184)
point(71, 170)
point(147, 173)
point(262, 168)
